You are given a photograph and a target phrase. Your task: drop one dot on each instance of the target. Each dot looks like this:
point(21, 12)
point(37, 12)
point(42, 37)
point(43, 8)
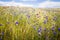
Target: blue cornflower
point(59, 29)
point(39, 30)
point(46, 17)
point(16, 23)
point(0, 38)
point(54, 33)
point(45, 21)
point(28, 16)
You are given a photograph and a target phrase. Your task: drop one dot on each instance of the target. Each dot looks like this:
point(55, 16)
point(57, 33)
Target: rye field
point(24, 23)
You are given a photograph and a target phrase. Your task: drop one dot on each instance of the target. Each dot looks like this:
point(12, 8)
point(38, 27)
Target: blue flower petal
point(16, 22)
point(0, 38)
point(54, 33)
point(59, 29)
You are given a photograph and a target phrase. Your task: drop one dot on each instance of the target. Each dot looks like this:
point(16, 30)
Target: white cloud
point(12, 3)
point(49, 4)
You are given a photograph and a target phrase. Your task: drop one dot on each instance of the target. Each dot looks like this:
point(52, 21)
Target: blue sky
point(28, 0)
point(25, 1)
point(31, 3)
